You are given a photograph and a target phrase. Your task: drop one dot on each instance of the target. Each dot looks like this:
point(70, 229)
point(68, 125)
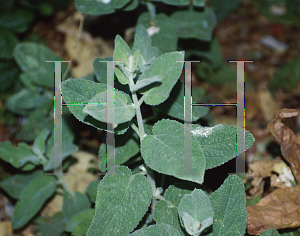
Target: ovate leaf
point(123, 110)
point(15, 185)
point(219, 142)
point(50, 226)
point(196, 212)
point(229, 204)
point(168, 67)
point(38, 147)
point(157, 230)
point(164, 151)
point(32, 199)
point(74, 94)
point(122, 200)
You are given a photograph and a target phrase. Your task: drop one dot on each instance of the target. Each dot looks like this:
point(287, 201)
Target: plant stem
point(137, 108)
point(151, 9)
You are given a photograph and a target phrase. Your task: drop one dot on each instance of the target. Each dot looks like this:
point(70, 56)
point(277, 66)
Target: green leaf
point(229, 204)
point(174, 193)
point(17, 21)
point(120, 3)
point(74, 204)
point(32, 199)
point(270, 232)
point(24, 101)
point(166, 38)
point(74, 94)
point(219, 142)
point(8, 41)
point(126, 146)
point(199, 3)
point(38, 147)
point(195, 212)
point(223, 9)
point(79, 223)
point(174, 105)
point(40, 118)
point(166, 213)
point(122, 200)
point(157, 230)
point(176, 2)
point(143, 44)
point(94, 7)
point(14, 185)
point(32, 57)
point(18, 156)
point(92, 190)
point(194, 24)
point(121, 53)
point(169, 68)
point(164, 151)
point(9, 73)
point(123, 109)
point(50, 226)
point(280, 78)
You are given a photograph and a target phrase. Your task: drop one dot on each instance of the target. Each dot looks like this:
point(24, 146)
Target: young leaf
point(74, 94)
point(121, 53)
point(219, 142)
point(164, 151)
point(194, 24)
point(127, 146)
point(166, 211)
point(143, 43)
point(32, 199)
point(174, 105)
point(123, 110)
point(229, 204)
point(79, 223)
point(195, 212)
point(157, 230)
point(122, 200)
point(168, 67)
point(38, 147)
point(18, 156)
point(15, 185)
point(144, 83)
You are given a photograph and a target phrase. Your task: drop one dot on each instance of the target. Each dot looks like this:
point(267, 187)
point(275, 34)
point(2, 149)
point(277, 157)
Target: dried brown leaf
point(278, 210)
point(290, 146)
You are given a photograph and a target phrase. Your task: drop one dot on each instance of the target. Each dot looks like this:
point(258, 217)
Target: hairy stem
point(62, 182)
